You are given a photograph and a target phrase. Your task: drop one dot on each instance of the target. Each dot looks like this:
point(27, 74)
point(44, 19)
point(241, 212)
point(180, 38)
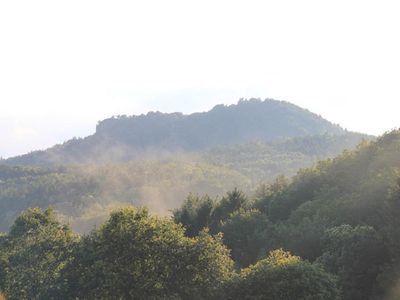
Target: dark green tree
point(195, 214)
point(247, 234)
point(282, 276)
point(356, 255)
point(233, 201)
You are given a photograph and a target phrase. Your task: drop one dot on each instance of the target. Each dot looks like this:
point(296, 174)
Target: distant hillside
point(124, 138)
point(84, 194)
point(264, 161)
point(157, 159)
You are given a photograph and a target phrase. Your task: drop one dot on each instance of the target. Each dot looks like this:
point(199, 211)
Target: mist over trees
point(237, 229)
point(330, 232)
point(85, 194)
point(133, 161)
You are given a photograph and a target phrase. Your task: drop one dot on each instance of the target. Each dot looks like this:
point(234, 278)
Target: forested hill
point(342, 214)
point(84, 194)
point(123, 138)
point(223, 125)
point(332, 233)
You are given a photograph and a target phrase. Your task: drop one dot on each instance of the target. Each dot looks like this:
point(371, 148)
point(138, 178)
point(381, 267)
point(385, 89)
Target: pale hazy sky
point(64, 65)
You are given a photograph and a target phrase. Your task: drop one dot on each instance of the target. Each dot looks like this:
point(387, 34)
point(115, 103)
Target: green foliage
point(195, 213)
point(78, 191)
point(233, 201)
point(136, 256)
point(198, 213)
point(247, 233)
point(38, 187)
point(284, 277)
point(33, 254)
point(356, 255)
point(343, 212)
point(160, 158)
point(157, 159)
point(340, 215)
point(264, 161)
point(270, 197)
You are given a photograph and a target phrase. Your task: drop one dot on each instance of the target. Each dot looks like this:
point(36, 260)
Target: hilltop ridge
point(122, 138)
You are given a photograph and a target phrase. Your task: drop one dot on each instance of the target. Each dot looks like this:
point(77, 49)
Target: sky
point(65, 65)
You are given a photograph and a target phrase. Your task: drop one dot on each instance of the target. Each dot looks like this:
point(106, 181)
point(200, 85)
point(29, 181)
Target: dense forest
point(259, 200)
point(341, 214)
point(85, 194)
point(329, 232)
point(157, 159)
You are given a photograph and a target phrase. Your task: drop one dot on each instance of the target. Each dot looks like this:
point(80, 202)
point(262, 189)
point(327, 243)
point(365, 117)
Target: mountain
point(158, 159)
point(124, 138)
point(338, 215)
point(332, 232)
